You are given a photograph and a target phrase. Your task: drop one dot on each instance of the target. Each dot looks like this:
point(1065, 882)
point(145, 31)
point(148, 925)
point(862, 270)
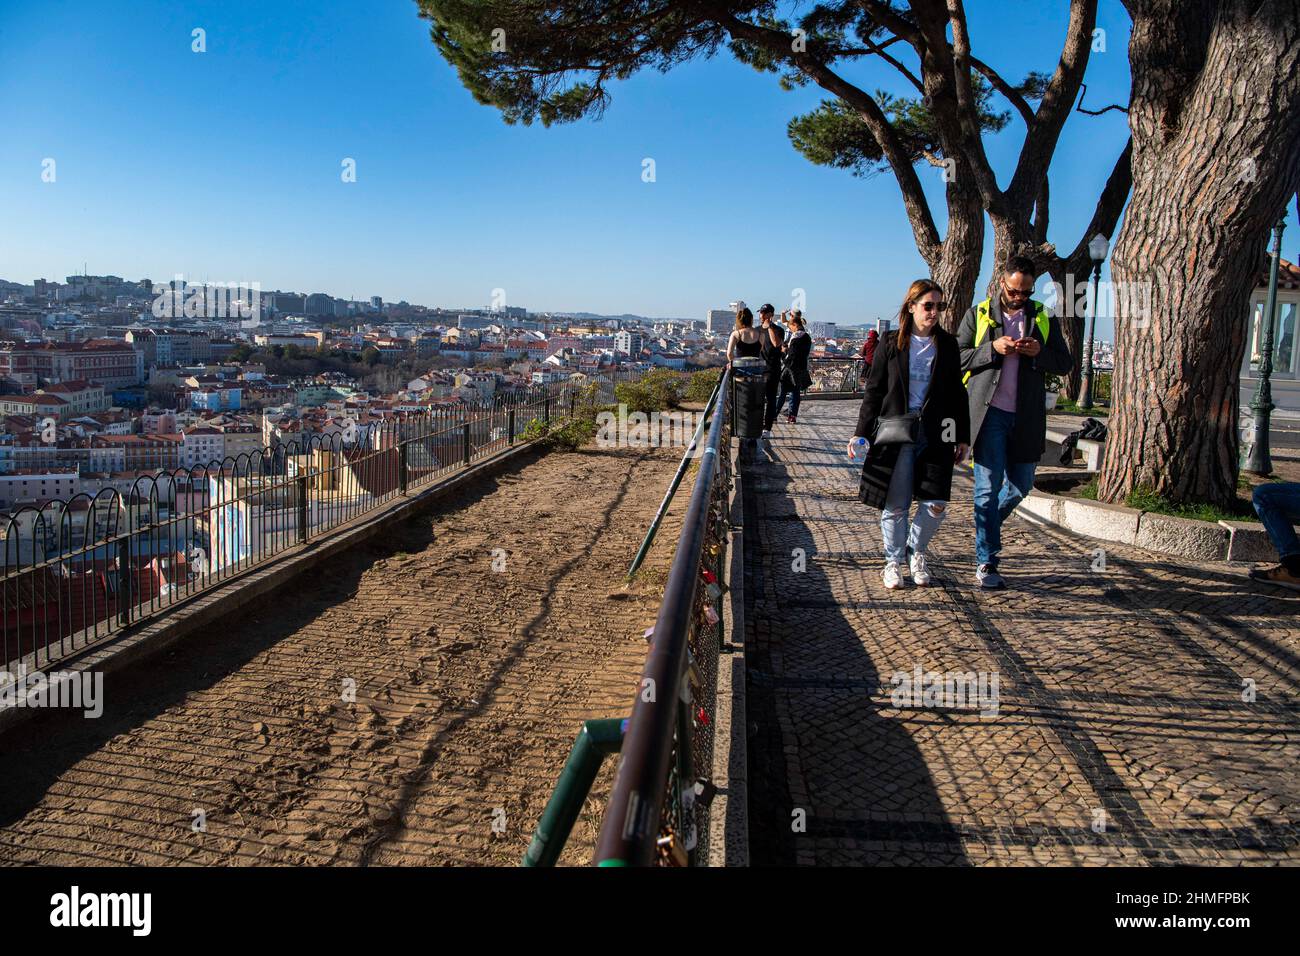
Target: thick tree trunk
point(1073, 325)
point(1215, 117)
point(956, 263)
point(1016, 236)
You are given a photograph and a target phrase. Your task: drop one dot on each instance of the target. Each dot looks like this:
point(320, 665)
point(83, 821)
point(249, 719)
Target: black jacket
point(1028, 438)
point(795, 366)
point(945, 414)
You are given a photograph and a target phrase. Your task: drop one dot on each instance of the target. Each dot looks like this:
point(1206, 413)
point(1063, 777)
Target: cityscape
point(450, 435)
point(104, 380)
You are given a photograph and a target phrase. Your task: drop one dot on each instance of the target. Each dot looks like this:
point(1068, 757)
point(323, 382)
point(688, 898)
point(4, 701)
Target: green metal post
point(1260, 462)
point(596, 739)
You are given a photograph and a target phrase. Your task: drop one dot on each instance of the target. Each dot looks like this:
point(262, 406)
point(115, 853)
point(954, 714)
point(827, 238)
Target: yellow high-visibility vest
point(984, 322)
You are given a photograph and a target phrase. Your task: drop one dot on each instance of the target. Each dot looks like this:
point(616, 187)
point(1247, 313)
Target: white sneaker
point(920, 575)
point(767, 435)
point(892, 578)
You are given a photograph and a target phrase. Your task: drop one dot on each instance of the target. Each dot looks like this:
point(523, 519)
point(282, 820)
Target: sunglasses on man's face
point(1017, 293)
point(933, 306)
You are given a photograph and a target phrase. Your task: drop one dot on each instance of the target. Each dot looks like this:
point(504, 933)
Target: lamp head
point(1098, 247)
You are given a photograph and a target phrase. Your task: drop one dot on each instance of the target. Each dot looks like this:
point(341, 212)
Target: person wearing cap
point(773, 343)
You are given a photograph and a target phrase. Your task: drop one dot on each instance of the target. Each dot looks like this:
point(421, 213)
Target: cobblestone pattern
point(1121, 734)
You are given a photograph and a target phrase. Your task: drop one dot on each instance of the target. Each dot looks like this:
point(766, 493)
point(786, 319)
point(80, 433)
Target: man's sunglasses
point(1017, 293)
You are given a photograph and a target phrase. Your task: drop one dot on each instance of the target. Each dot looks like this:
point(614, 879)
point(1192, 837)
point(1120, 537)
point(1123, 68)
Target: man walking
point(773, 339)
point(1008, 344)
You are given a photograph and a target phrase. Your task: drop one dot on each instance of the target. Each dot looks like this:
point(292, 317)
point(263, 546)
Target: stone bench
point(1090, 450)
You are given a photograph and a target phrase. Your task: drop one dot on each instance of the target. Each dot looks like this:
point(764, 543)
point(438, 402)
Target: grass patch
point(1144, 499)
point(1068, 406)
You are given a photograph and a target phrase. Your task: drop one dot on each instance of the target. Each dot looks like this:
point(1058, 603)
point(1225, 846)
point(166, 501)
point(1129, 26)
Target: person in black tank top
point(744, 341)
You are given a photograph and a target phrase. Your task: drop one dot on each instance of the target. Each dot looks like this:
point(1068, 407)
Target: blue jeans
point(999, 485)
point(787, 389)
point(1278, 506)
point(898, 503)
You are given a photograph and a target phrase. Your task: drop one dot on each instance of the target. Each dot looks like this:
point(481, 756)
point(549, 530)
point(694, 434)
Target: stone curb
point(141, 642)
point(729, 812)
point(1184, 537)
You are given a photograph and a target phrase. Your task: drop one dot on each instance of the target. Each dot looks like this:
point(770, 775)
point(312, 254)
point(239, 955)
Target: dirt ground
point(471, 685)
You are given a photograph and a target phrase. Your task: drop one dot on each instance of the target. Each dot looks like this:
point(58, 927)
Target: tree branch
point(1058, 100)
point(885, 15)
point(914, 199)
point(1006, 89)
point(1083, 91)
point(952, 103)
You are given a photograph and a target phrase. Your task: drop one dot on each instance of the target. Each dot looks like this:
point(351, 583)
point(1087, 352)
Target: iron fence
point(837, 375)
point(74, 572)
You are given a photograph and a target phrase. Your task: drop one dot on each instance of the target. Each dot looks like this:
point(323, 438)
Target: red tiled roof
point(1288, 275)
point(72, 385)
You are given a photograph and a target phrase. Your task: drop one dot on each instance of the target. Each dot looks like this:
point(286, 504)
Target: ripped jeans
point(898, 503)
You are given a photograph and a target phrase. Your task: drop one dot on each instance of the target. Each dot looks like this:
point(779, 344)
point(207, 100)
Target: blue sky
point(226, 165)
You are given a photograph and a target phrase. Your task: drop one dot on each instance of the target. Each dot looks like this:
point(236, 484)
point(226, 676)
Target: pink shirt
point(1004, 396)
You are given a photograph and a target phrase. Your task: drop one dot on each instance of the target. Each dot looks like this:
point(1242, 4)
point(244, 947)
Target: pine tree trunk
point(1215, 117)
point(957, 265)
point(1073, 327)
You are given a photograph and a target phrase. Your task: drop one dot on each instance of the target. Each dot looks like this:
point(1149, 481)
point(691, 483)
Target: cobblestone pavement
point(1120, 736)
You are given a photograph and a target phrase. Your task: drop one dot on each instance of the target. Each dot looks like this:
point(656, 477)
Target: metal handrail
point(631, 825)
point(675, 483)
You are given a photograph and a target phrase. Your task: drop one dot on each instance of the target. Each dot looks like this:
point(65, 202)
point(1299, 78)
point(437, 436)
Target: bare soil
point(471, 685)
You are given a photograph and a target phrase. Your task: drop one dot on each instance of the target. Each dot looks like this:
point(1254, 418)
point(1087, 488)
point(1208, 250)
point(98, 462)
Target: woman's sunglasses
point(934, 306)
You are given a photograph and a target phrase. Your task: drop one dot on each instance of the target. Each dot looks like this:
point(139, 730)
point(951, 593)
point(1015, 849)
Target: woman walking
point(914, 427)
point(795, 376)
point(746, 341)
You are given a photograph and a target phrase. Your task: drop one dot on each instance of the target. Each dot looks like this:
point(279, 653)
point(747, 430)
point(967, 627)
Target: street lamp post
point(1260, 461)
point(1097, 250)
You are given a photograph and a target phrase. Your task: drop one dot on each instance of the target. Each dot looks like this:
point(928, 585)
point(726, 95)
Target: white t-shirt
point(920, 363)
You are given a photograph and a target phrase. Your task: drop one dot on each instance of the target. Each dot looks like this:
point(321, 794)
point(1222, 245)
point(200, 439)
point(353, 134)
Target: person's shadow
point(835, 778)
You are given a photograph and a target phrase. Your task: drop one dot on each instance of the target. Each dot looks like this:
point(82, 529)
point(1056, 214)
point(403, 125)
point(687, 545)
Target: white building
point(719, 321)
point(1285, 377)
